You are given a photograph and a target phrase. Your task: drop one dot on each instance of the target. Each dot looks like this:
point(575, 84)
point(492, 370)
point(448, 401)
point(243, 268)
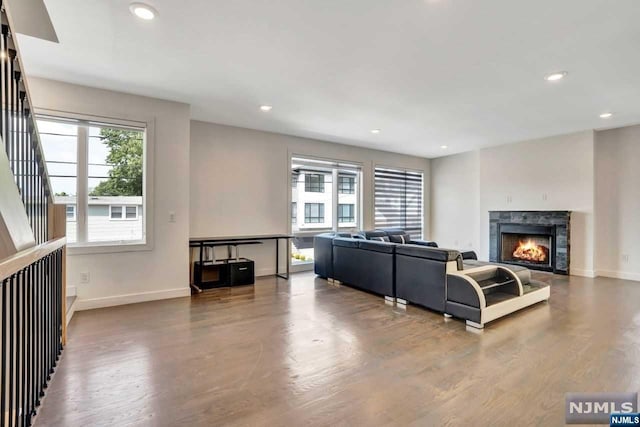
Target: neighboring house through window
point(346, 184)
point(102, 165)
point(313, 213)
point(314, 183)
point(346, 213)
point(294, 213)
point(71, 212)
point(123, 212)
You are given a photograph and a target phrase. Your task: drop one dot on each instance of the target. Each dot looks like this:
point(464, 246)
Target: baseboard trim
point(583, 273)
point(93, 303)
point(624, 275)
point(71, 310)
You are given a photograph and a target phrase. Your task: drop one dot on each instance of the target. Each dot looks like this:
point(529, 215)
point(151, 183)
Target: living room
point(381, 168)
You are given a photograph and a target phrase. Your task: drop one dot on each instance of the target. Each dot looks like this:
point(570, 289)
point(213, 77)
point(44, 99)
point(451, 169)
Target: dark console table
point(234, 241)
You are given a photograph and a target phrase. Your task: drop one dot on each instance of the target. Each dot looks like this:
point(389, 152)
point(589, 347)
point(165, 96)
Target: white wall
point(163, 271)
point(455, 187)
point(618, 202)
point(554, 173)
point(240, 182)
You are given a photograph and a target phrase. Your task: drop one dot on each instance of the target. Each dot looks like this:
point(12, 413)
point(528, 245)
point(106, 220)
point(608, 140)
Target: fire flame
point(531, 251)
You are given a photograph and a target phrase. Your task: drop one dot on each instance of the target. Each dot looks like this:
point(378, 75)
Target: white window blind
point(398, 200)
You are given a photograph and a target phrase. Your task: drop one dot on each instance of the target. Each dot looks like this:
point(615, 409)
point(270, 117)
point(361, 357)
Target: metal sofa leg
point(447, 316)
point(475, 325)
point(401, 301)
point(389, 299)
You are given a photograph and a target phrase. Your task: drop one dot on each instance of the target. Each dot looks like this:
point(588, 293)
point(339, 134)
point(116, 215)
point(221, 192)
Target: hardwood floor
point(306, 352)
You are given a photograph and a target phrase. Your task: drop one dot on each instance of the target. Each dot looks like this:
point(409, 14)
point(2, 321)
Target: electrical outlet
point(509, 199)
point(172, 216)
point(625, 258)
point(84, 277)
point(544, 197)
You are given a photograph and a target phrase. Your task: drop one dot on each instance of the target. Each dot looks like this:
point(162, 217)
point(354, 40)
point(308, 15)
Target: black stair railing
point(21, 140)
point(32, 284)
point(32, 329)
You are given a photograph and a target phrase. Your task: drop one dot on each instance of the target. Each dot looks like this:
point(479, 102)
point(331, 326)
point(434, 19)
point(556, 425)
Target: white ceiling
point(466, 74)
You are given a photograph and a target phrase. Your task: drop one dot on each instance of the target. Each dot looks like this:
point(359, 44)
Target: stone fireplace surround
point(560, 221)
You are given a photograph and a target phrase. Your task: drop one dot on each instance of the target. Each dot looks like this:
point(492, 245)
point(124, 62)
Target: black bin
point(241, 272)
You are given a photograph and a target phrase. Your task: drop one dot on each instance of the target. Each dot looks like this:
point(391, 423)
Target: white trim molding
point(93, 303)
point(582, 273)
point(624, 275)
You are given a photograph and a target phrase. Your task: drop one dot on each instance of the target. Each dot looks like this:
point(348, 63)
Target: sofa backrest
point(375, 235)
point(451, 257)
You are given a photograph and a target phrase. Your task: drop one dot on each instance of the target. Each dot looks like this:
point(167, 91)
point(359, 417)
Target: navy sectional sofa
point(389, 263)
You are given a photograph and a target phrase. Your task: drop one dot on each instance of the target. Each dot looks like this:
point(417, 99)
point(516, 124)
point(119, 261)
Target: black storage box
point(241, 272)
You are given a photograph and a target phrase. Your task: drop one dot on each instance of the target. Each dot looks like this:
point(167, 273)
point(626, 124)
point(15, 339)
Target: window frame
point(294, 212)
point(351, 187)
point(308, 185)
point(146, 123)
point(308, 219)
point(123, 216)
point(74, 216)
point(352, 213)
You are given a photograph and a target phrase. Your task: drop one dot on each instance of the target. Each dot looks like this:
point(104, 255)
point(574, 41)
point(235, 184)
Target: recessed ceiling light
point(444, 147)
point(375, 130)
point(266, 107)
point(143, 11)
point(554, 77)
point(606, 115)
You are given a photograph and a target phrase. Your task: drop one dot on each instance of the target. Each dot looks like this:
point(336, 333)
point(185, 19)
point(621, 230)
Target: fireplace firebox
point(534, 239)
point(532, 246)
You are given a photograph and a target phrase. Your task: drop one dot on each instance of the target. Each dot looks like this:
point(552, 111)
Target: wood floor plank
point(305, 352)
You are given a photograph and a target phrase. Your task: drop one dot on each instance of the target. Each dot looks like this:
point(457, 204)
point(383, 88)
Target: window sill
point(108, 248)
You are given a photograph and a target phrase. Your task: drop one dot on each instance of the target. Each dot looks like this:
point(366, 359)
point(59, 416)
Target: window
point(346, 184)
point(316, 203)
point(313, 213)
point(398, 200)
point(314, 183)
point(97, 171)
point(346, 213)
point(60, 147)
point(294, 213)
point(129, 212)
point(71, 213)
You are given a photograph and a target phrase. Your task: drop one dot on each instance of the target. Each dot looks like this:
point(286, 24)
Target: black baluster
point(10, 413)
point(25, 353)
point(30, 346)
point(3, 56)
point(3, 368)
point(5, 83)
point(19, 365)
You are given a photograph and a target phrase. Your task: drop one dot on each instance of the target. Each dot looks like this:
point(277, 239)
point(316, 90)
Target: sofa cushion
point(380, 239)
point(435, 254)
point(346, 242)
point(402, 239)
point(370, 235)
point(371, 245)
point(424, 243)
